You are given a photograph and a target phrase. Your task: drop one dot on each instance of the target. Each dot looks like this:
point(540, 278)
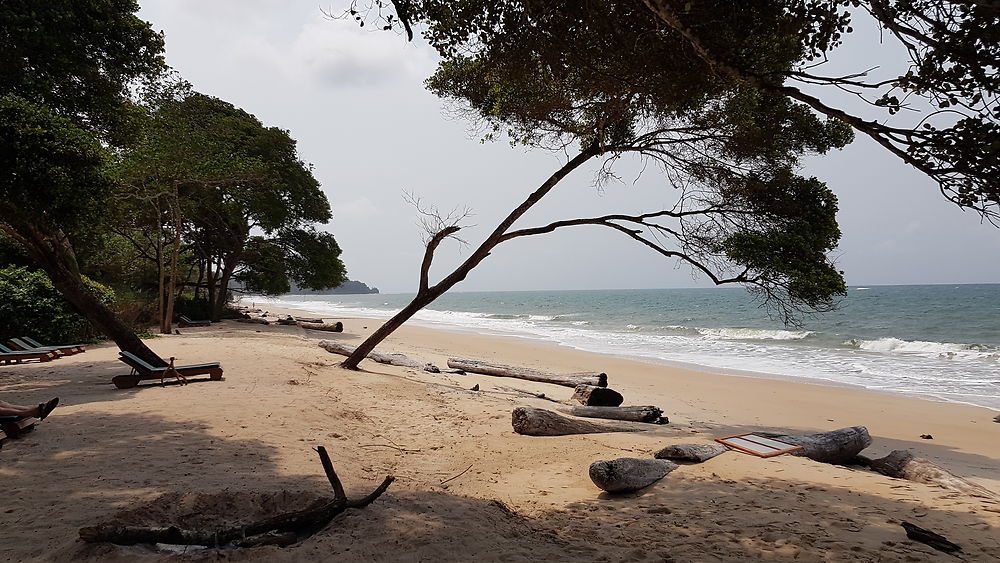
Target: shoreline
point(286, 309)
point(467, 486)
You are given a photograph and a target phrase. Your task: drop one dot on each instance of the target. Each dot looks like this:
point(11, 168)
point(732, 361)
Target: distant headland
point(349, 287)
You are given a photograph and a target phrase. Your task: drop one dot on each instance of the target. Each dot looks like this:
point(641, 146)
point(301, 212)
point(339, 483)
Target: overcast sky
point(354, 100)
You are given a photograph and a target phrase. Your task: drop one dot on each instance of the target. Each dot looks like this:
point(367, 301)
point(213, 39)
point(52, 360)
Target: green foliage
point(51, 171)
point(32, 307)
point(77, 57)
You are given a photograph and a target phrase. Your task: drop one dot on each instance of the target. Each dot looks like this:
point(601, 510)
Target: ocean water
point(939, 342)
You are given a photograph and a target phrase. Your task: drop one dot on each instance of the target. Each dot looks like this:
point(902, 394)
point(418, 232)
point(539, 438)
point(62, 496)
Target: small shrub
point(30, 305)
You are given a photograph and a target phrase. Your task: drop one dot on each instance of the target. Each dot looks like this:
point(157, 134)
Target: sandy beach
point(467, 487)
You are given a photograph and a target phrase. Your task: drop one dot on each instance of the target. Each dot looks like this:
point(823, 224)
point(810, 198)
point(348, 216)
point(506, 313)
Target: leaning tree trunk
point(53, 251)
point(427, 293)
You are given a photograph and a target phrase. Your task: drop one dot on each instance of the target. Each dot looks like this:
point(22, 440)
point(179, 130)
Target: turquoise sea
point(939, 342)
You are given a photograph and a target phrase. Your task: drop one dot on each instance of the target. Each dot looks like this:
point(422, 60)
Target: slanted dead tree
point(283, 529)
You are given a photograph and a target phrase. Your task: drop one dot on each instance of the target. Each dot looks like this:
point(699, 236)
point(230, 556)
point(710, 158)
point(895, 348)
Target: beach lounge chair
point(26, 343)
point(186, 322)
point(8, 355)
point(77, 347)
point(12, 427)
point(141, 370)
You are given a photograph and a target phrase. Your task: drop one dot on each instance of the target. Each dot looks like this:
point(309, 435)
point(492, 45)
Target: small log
point(836, 446)
point(628, 474)
point(328, 327)
point(500, 370)
point(388, 359)
point(644, 413)
point(901, 464)
point(593, 396)
point(691, 452)
point(540, 422)
point(253, 320)
point(288, 321)
point(937, 541)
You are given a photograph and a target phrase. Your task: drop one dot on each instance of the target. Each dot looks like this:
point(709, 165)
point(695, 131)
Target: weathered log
point(500, 370)
point(388, 359)
point(540, 422)
point(309, 320)
point(328, 327)
point(302, 523)
point(288, 321)
point(593, 396)
point(644, 413)
point(628, 474)
point(836, 446)
point(691, 452)
point(901, 464)
point(254, 320)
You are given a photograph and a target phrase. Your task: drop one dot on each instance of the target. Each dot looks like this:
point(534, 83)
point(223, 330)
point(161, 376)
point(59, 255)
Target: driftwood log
point(901, 464)
point(500, 370)
point(309, 320)
point(254, 320)
point(328, 327)
point(836, 446)
point(691, 452)
point(633, 414)
point(290, 321)
point(937, 541)
point(540, 422)
point(628, 474)
point(388, 359)
point(594, 396)
point(279, 530)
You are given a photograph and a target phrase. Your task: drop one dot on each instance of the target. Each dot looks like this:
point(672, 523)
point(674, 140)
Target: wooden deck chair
point(20, 344)
point(142, 370)
point(72, 348)
point(8, 356)
point(12, 427)
point(186, 322)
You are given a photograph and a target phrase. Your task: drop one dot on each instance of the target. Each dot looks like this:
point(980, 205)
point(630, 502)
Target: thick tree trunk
point(594, 396)
point(629, 474)
point(633, 414)
point(540, 422)
point(175, 256)
point(499, 370)
point(270, 531)
point(903, 465)
point(222, 297)
point(836, 446)
point(54, 253)
point(390, 326)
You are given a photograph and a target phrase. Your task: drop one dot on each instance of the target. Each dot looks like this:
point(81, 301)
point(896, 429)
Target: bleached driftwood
point(836, 446)
point(290, 321)
point(628, 474)
point(904, 465)
point(309, 320)
point(644, 413)
point(271, 531)
point(388, 359)
point(593, 396)
point(500, 370)
point(540, 422)
point(328, 327)
point(691, 452)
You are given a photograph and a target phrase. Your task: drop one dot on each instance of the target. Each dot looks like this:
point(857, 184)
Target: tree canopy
point(235, 193)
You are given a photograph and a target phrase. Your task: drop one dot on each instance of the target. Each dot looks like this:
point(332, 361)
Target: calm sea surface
point(938, 342)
